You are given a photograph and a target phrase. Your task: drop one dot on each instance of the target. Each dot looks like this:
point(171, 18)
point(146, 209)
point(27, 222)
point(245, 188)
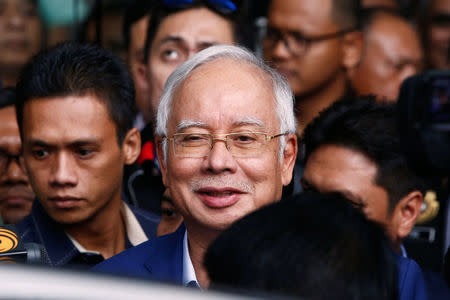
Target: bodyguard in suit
point(75, 112)
point(227, 145)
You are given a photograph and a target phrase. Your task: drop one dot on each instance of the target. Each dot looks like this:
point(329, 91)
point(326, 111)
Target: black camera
point(424, 122)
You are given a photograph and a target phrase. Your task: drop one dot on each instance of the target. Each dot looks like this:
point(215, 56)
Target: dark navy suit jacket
point(162, 259)
point(39, 228)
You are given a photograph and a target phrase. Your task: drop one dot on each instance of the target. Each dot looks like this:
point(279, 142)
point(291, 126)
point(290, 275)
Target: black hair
point(345, 13)
point(161, 12)
point(313, 246)
point(134, 11)
point(370, 128)
point(369, 15)
point(74, 69)
point(7, 97)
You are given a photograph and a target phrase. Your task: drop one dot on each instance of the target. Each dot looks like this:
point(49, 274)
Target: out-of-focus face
point(170, 218)
point(213, 191)
point(20, 32)
point(16, 195)
point(73, 159)
point(180, 36)
point(392, 53)
point(438, 35)
point(336, 169)
point(322, 61)
point(138, 32)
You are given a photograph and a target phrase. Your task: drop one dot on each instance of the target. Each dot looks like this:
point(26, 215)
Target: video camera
point(424, 122)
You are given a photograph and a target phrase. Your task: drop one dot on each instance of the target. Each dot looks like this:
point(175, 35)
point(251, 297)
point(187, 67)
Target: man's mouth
point(219, 198)
point(65, 202)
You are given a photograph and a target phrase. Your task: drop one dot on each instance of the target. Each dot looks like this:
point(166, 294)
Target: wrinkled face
point(392, 53)
point(438, 36)
point(319, 65)
point(20, 32)
point(180, 36)
point(72, 156)
point(212, 192)
point(16, 196)
point(136, 58)
point(335, 169)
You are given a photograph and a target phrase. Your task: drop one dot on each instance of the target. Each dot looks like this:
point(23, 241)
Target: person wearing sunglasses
point(16, 195)
point(177, 30)
point(226, 145)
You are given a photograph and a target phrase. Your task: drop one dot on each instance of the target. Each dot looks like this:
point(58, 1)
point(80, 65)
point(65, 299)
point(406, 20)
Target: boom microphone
point(12, 250)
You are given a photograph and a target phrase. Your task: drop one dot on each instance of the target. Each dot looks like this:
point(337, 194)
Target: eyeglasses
point(295, 42)
point(5, 160)
point(241, 144)
point(223, 6)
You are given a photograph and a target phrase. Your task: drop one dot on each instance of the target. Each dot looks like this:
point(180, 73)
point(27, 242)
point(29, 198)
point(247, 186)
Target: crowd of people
point(185, 156)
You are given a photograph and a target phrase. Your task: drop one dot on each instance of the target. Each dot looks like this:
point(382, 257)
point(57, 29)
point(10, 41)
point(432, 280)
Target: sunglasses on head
point(223, 6)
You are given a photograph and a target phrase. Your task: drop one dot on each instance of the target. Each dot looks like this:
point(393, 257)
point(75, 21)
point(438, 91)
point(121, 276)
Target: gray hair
point(283, 95)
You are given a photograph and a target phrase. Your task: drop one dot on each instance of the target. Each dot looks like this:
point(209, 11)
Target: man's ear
point(288, 159)
point(142, 75)
point(406, 213)
point(131, 146)
point(160, 154)
point(352, 48)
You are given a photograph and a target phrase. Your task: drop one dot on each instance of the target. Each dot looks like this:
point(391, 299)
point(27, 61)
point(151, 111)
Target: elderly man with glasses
point(227, 145)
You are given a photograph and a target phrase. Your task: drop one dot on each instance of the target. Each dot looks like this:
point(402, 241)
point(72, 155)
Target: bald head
point(392, 52)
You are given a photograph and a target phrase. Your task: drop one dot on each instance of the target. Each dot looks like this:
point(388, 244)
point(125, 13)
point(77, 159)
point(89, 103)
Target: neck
point(198, 242)
point(104, 232)
point(309, 106)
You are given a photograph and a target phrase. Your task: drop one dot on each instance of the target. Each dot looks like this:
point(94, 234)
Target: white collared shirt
point(188, 267)
point(133, 229)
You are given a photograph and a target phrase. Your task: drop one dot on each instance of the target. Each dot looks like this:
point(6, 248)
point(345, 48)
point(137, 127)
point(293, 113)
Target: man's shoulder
point(159, 258)
point(27, 230)
point(411, 284)
point(148, 221)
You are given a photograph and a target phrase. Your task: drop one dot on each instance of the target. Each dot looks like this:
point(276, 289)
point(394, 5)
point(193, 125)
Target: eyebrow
point(184, 124)
point(342, 193)
point(76, 143)
point(190, 123)
point(180, 40)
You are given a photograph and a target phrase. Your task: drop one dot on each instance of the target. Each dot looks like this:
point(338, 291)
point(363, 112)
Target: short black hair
point(313, 246)
point(361, 124)
point(7, 97)
point(346, 13)
point(74, 69)
point(161, 12)
point(134, 11)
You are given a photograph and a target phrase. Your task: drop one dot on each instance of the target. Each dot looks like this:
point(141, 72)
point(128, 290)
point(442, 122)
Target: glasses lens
point(191, 145)
point(246, 143)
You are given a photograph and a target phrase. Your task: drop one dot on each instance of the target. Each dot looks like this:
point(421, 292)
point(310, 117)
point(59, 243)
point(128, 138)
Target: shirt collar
point(135, 233)
point(188, 268)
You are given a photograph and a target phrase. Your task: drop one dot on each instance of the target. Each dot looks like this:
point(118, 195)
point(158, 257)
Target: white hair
point(283, 95)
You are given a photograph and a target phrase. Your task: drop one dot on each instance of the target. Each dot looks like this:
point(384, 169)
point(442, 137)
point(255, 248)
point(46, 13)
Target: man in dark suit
point(75, 110)
point(227, 145)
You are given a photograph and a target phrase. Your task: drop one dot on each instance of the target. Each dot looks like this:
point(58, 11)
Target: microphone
point(12, 250)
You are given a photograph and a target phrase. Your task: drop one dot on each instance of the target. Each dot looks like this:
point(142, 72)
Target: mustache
point(223, 182)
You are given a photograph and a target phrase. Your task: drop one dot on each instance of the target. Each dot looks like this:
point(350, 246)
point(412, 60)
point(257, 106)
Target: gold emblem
point(8, 240)
point(430, 208)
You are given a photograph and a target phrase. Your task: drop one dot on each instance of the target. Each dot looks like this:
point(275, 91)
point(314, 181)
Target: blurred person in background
point(75, 112)
point(135, 24)
point(435, 28)
point(16, 195)
point(392, 52)
point(20, 37)
point(392, 4)
point(312, 44)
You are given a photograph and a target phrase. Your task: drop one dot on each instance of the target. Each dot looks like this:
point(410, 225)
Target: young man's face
point(16, 195)
point(335, 169)
point(320, 63)
point(179, 37)
point(73, 158)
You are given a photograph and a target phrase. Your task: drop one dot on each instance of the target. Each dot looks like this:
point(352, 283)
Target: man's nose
point(62, 171)
point(220, 159)
point(15, 172)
